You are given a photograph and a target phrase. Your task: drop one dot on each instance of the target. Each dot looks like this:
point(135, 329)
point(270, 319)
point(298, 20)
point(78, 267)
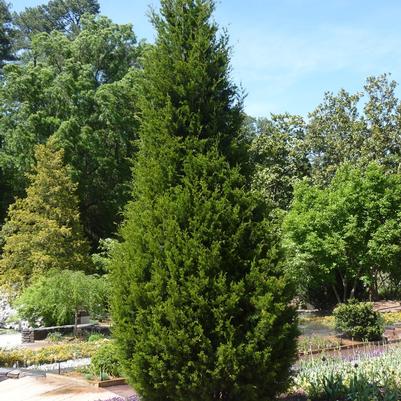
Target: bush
point(358, 320)
point(54, 337)
point(95, 337)
point(105, 361)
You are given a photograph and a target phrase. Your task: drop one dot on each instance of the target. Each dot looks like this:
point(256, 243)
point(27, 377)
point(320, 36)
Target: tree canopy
point(343, 129)
point(82, 91)
point(280, 157)
point(7, 34)
point(343, 236)
point(64, 16)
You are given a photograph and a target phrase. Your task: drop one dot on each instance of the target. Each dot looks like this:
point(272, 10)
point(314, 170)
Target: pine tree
point(200, 304)
point(42, 230)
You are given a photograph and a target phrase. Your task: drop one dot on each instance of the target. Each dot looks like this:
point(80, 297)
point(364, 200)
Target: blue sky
point(287, 53)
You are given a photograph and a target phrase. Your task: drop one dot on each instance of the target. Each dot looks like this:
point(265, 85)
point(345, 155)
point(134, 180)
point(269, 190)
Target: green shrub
point(54, 337)
point(95, 337)
point(105, 361)
point(358, 320)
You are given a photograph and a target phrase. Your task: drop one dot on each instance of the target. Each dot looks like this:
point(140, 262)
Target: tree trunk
point(336, 293)
point(352, 294)
point(76, 323)
point(345, 286)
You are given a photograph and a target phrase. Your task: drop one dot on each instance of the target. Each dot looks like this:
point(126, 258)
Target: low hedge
point(50, 354)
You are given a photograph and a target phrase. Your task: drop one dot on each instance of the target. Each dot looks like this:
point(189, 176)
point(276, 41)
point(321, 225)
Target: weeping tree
point(57, 297)
point(200, 304)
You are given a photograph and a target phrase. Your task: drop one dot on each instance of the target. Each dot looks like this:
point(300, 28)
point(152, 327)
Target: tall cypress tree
point(200, 305)
point(43, 230)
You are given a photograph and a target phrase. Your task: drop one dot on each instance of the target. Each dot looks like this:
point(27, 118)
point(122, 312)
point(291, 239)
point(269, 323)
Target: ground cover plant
point(50, 354)
point(313, 324)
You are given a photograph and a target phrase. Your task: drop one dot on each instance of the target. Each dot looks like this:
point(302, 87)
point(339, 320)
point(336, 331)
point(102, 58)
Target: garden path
point(10, 340)
point(50, 388)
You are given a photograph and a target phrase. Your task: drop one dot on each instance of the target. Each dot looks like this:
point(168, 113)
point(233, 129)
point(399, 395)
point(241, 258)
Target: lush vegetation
point(341, 237)
point(106, 361)
point(373, 375)
point(43, 230)
point(200, 304)
point(131, 169)
point(77, 83)
point(57, 297)
point(358, 320)
point(50, 354)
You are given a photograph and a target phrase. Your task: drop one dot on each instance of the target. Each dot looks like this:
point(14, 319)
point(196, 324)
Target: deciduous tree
point(341, 236)
point(7, 34)
point(64, 16)
point(280, 157)
point(57, 297)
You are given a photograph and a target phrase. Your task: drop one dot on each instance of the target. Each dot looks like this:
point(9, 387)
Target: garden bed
point(318, 332)
point(374, 373)
point(73, 350)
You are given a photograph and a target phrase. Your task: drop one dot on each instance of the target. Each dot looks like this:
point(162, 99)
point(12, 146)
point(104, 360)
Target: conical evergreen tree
point(200, 305)
point(42, 230)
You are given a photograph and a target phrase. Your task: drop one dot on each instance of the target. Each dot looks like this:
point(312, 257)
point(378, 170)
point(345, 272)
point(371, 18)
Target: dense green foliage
point(343, 237)
point(83, 92)
point(43, 230)
point(7, 34)
point(56, 297)
point(345, 128)
point(280, 157)
point(106, 361)
point(358, 320)
point(64, 16)
point(91, 121)
point(200, 302)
